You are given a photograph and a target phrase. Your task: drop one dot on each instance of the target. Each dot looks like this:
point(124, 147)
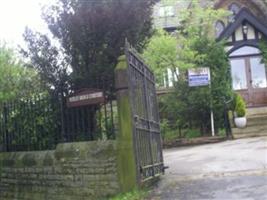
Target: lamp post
point(245, 29)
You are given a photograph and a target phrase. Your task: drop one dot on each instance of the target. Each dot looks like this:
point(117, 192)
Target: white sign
point(199, 76)
point(86, 97)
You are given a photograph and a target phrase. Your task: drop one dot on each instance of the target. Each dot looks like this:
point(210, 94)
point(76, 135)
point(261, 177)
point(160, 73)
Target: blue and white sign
point(199, 77)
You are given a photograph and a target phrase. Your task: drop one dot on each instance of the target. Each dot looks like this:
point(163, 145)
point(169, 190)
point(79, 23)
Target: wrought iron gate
point(147, 138)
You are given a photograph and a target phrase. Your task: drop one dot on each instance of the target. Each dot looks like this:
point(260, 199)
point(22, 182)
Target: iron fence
point(30, 124)
point(41, 122)
point(91, 122)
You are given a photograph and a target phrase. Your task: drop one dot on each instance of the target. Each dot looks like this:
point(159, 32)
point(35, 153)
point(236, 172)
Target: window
point(245, 50)
point(238, 72)
point(166, 11)
point(219, 27)
point(169, 78)
point(258, 73)
point(246, 69)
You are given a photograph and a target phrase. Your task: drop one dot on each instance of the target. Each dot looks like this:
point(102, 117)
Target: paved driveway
point(229, 170)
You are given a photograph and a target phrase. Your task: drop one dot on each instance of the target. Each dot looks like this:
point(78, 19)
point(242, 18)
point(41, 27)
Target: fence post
point(6, 136)
point(127, 170)
point(62, 116)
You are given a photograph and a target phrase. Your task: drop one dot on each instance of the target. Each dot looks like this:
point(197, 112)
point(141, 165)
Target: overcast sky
point(15, 15)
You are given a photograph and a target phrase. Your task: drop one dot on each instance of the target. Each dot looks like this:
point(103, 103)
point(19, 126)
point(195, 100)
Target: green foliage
point(160, 52)
point(191, 105)
point(175, 51)
point(48, 60)
point(192, 133)
point(134, 195)
point(193, 45)
point(33, 121)
point(222, 132)
point(199, 21)
point(91, 36)
point(171, 135)
point(106, 121)
point(240, 106)
point(164, 128)
point(16, 80)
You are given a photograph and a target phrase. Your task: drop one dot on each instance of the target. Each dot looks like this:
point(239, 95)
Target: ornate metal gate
point(147, 138)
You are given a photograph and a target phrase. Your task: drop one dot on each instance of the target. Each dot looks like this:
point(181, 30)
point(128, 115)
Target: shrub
point(192, 133)
point(240, 106)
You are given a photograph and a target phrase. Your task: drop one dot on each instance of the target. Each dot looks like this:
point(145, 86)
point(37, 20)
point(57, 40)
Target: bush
point(240, 106)
point(189, 107)
point(134, 195)
point(192, 133)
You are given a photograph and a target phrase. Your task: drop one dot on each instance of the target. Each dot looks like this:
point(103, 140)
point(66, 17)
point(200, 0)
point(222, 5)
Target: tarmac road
point(228, 170)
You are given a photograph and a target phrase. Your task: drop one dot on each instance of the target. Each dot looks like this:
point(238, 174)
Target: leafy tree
point(87, 38)
point(161, 53)
point(196, 46)
point(48, 59)
point(92, 35)
point(19, 113)
point(16, 80)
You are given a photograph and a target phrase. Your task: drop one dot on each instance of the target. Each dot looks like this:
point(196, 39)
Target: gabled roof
point(243, 15)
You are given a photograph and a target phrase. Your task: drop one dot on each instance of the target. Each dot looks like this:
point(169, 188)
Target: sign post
point(86, 97)
point(201, 77)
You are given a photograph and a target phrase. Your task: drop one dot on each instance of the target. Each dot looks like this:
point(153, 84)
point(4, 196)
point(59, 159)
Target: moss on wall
point(85, 170)
point(126, 157)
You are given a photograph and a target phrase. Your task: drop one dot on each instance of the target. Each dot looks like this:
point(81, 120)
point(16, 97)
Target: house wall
point(257, 7)
point(168, 21)
point(84, 170)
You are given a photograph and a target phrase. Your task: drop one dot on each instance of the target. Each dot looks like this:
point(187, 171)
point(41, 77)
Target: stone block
point(83, 170)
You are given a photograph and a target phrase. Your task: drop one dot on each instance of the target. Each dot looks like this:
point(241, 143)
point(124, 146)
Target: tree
point(16, 79)
point(196, 46)
point(92, 35)
point(49, 60)
point(161, 54)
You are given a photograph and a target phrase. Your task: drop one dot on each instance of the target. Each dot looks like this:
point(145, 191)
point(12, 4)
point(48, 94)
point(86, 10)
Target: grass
point(191, 133)
point(222, 133)
point(134, 195)
point(170, 135)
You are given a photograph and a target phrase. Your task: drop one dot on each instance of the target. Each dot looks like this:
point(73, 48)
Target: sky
point(15, 15)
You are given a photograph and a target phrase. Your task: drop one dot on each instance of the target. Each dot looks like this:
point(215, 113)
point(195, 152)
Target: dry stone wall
point(74, 171)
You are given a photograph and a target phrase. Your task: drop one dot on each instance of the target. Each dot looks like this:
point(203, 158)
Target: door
point(249, 79)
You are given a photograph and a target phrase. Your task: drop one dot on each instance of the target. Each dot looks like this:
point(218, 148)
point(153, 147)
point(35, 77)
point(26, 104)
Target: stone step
point(239, 136)
point(253, 121)
point(256, 120)
point(259, 129)
point(256, 124)
point(256, 111)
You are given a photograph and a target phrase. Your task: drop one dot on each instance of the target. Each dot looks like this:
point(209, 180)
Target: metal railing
point(41, 122)
point(31, 124)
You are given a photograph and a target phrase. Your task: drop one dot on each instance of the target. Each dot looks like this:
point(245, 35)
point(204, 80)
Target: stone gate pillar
point(127, 170)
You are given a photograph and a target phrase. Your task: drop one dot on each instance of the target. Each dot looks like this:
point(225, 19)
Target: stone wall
point(74, 171)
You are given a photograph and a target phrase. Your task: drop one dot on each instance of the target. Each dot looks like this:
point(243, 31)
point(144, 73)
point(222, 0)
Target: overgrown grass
point(185, 133)
point(192, 133)
point(170, 135)
point(134, 195)
point(221, 133)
